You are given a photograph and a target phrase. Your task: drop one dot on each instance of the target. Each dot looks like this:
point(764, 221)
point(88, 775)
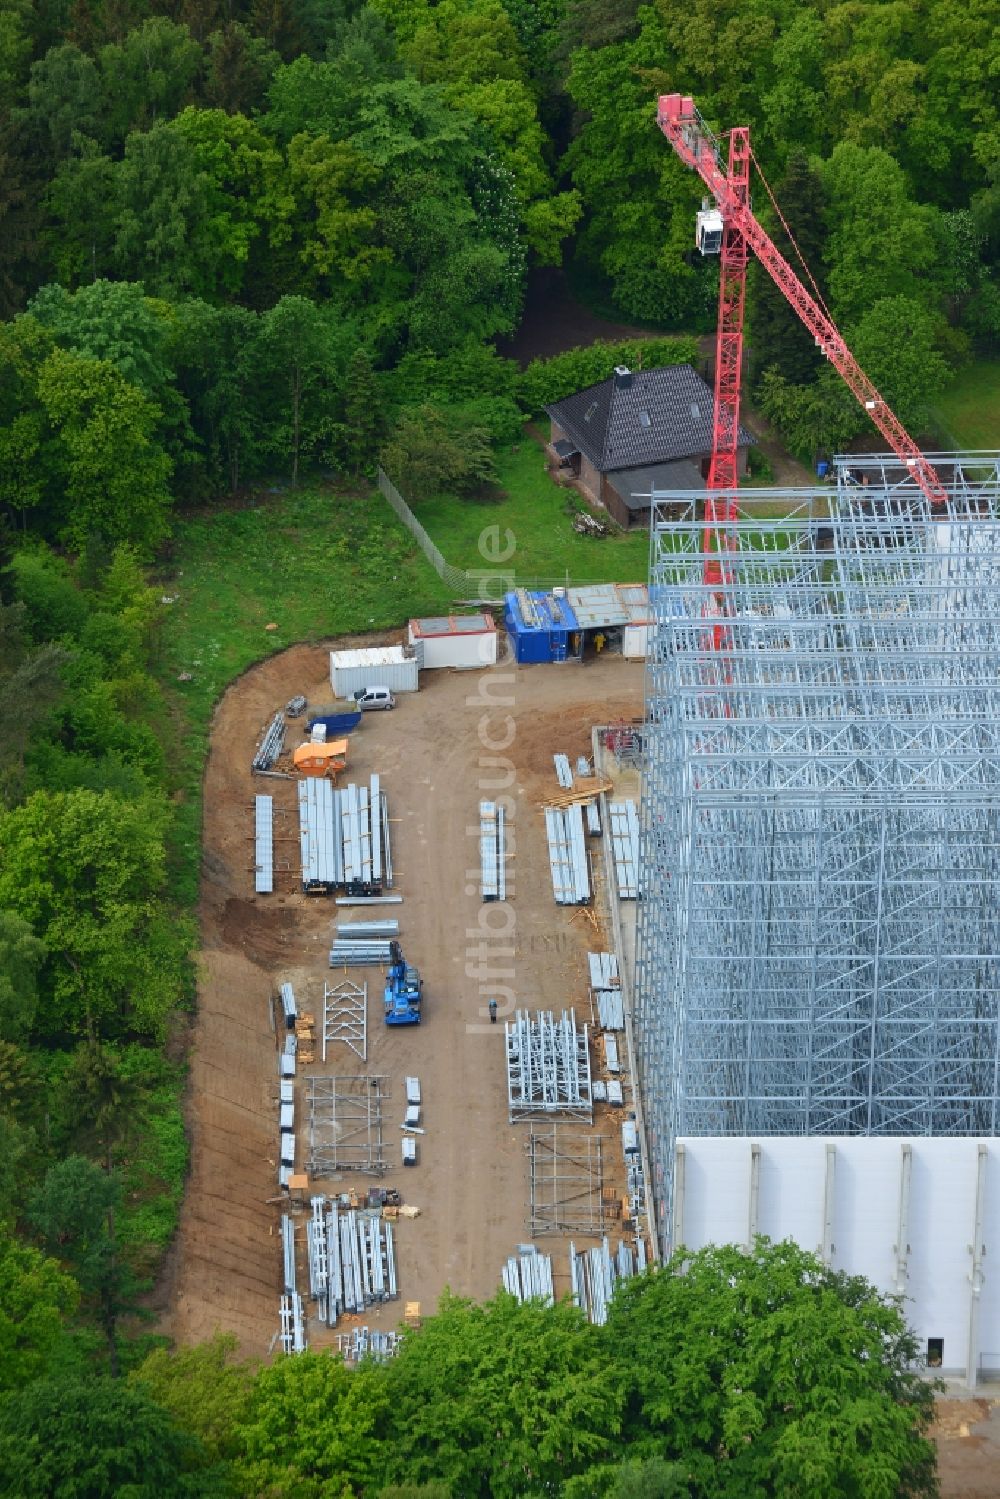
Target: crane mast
point(729, 185)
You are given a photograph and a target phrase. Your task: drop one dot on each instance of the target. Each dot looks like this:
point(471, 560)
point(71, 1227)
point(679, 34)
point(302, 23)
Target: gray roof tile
point(661, 415)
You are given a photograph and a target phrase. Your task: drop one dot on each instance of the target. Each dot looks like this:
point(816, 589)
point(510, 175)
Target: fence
point(479, 583)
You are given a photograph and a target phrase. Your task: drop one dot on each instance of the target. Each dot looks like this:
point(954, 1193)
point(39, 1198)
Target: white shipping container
point(377, 666)
point(456, 640)
point(635, 642)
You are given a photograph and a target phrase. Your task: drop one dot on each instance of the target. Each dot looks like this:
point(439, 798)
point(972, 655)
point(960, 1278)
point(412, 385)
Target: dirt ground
point(967, 1433)
point(471, 1181)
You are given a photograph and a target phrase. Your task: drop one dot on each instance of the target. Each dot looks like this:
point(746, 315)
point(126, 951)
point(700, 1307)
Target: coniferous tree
point(777, 338)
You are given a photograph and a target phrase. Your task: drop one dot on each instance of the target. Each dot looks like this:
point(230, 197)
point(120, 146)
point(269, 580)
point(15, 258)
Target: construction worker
point(493, 1012)
point(599, 642)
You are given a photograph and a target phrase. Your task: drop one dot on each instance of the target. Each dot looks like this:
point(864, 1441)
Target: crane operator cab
point(708, 230)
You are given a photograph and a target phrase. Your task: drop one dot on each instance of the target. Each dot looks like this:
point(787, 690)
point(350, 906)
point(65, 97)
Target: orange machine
point(321, 759)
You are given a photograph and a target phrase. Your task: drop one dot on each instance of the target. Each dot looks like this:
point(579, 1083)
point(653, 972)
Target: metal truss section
point(819, 939)
point(345, 1124)
point(345, 1016)
point(548, 1067)
point(566, 1174)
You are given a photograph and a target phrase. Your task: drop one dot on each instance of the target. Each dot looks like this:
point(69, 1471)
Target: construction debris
point(579, 794)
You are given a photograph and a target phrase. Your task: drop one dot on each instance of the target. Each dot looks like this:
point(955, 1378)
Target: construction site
point(573, 961)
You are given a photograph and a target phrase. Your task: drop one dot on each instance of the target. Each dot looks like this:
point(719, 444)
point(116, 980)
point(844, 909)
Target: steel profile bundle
point(592, 812)
point(272, 742)
point(344, 837)
point(352, 931)
point(345, 1016)
point(568, 860)
point(363, 1342)
point(492, 851)
point(548, 1066)
point(564, 774)
point(368, 953)
point(623, 824)
point(528, 1275)
point(607, 995)
point(292, 1336)
point(594, 1274)
point(352, 1259)
point(263, 879)
point(320, 845)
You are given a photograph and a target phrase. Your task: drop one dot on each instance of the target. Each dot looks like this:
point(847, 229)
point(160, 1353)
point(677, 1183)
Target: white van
point(374, 697)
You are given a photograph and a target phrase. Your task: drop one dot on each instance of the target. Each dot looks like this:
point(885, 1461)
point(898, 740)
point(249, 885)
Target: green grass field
point(968, 413)
point(537, 513)
point(315, 563)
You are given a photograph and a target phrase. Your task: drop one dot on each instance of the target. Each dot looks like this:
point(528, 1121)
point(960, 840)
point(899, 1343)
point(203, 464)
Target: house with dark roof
point(639, 431)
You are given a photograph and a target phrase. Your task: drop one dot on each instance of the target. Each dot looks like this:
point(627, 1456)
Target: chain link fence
point(479, 583)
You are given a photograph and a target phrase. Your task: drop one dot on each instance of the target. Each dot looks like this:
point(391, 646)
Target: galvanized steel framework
point(819, 940)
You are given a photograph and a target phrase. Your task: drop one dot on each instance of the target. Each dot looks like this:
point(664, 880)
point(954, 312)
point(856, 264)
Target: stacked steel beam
point(548, 1066)
point(568, 860)
point(344, 837)
point(492, 851)
point(595, 1273)
point(528, 1275)
point(623, 821)
point(606, 991)
point(352, 1259)
point(264, 845)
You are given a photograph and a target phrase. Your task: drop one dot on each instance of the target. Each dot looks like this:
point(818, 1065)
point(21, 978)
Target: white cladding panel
point(634, 641)
point(867, 1174)
point(458, 650)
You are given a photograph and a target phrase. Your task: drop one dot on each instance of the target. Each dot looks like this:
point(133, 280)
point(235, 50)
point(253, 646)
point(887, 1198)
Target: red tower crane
point(731, 229)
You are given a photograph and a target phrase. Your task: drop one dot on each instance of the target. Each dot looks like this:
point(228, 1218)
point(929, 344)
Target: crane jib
point(729, 185)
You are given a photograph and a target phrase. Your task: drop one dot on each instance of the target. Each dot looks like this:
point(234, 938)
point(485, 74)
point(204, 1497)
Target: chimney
point(623, 377)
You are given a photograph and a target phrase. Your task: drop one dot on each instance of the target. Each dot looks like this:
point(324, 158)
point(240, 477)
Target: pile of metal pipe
point(272, 742)
point(548, 1065)
point(594, 1274)
point(492, 851)
point(352, 1259)
point(568, 861)
point(528, 1275)
point(623, 821)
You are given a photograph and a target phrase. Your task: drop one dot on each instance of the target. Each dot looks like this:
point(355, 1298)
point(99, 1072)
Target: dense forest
point(248, 241)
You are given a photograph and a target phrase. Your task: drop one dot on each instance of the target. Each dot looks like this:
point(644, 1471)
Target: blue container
point(822, 468)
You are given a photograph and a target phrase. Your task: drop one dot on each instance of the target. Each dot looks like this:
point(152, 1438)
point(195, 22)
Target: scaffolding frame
point(345, 1124)
point(818, 946)
point(345, 1016)
point(548, 1067)
point(566, 1182)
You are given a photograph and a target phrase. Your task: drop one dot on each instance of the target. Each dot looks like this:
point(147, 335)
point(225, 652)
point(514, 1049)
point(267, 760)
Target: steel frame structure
point(566, 1177)
point(818, 945)
point(345, 1124)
